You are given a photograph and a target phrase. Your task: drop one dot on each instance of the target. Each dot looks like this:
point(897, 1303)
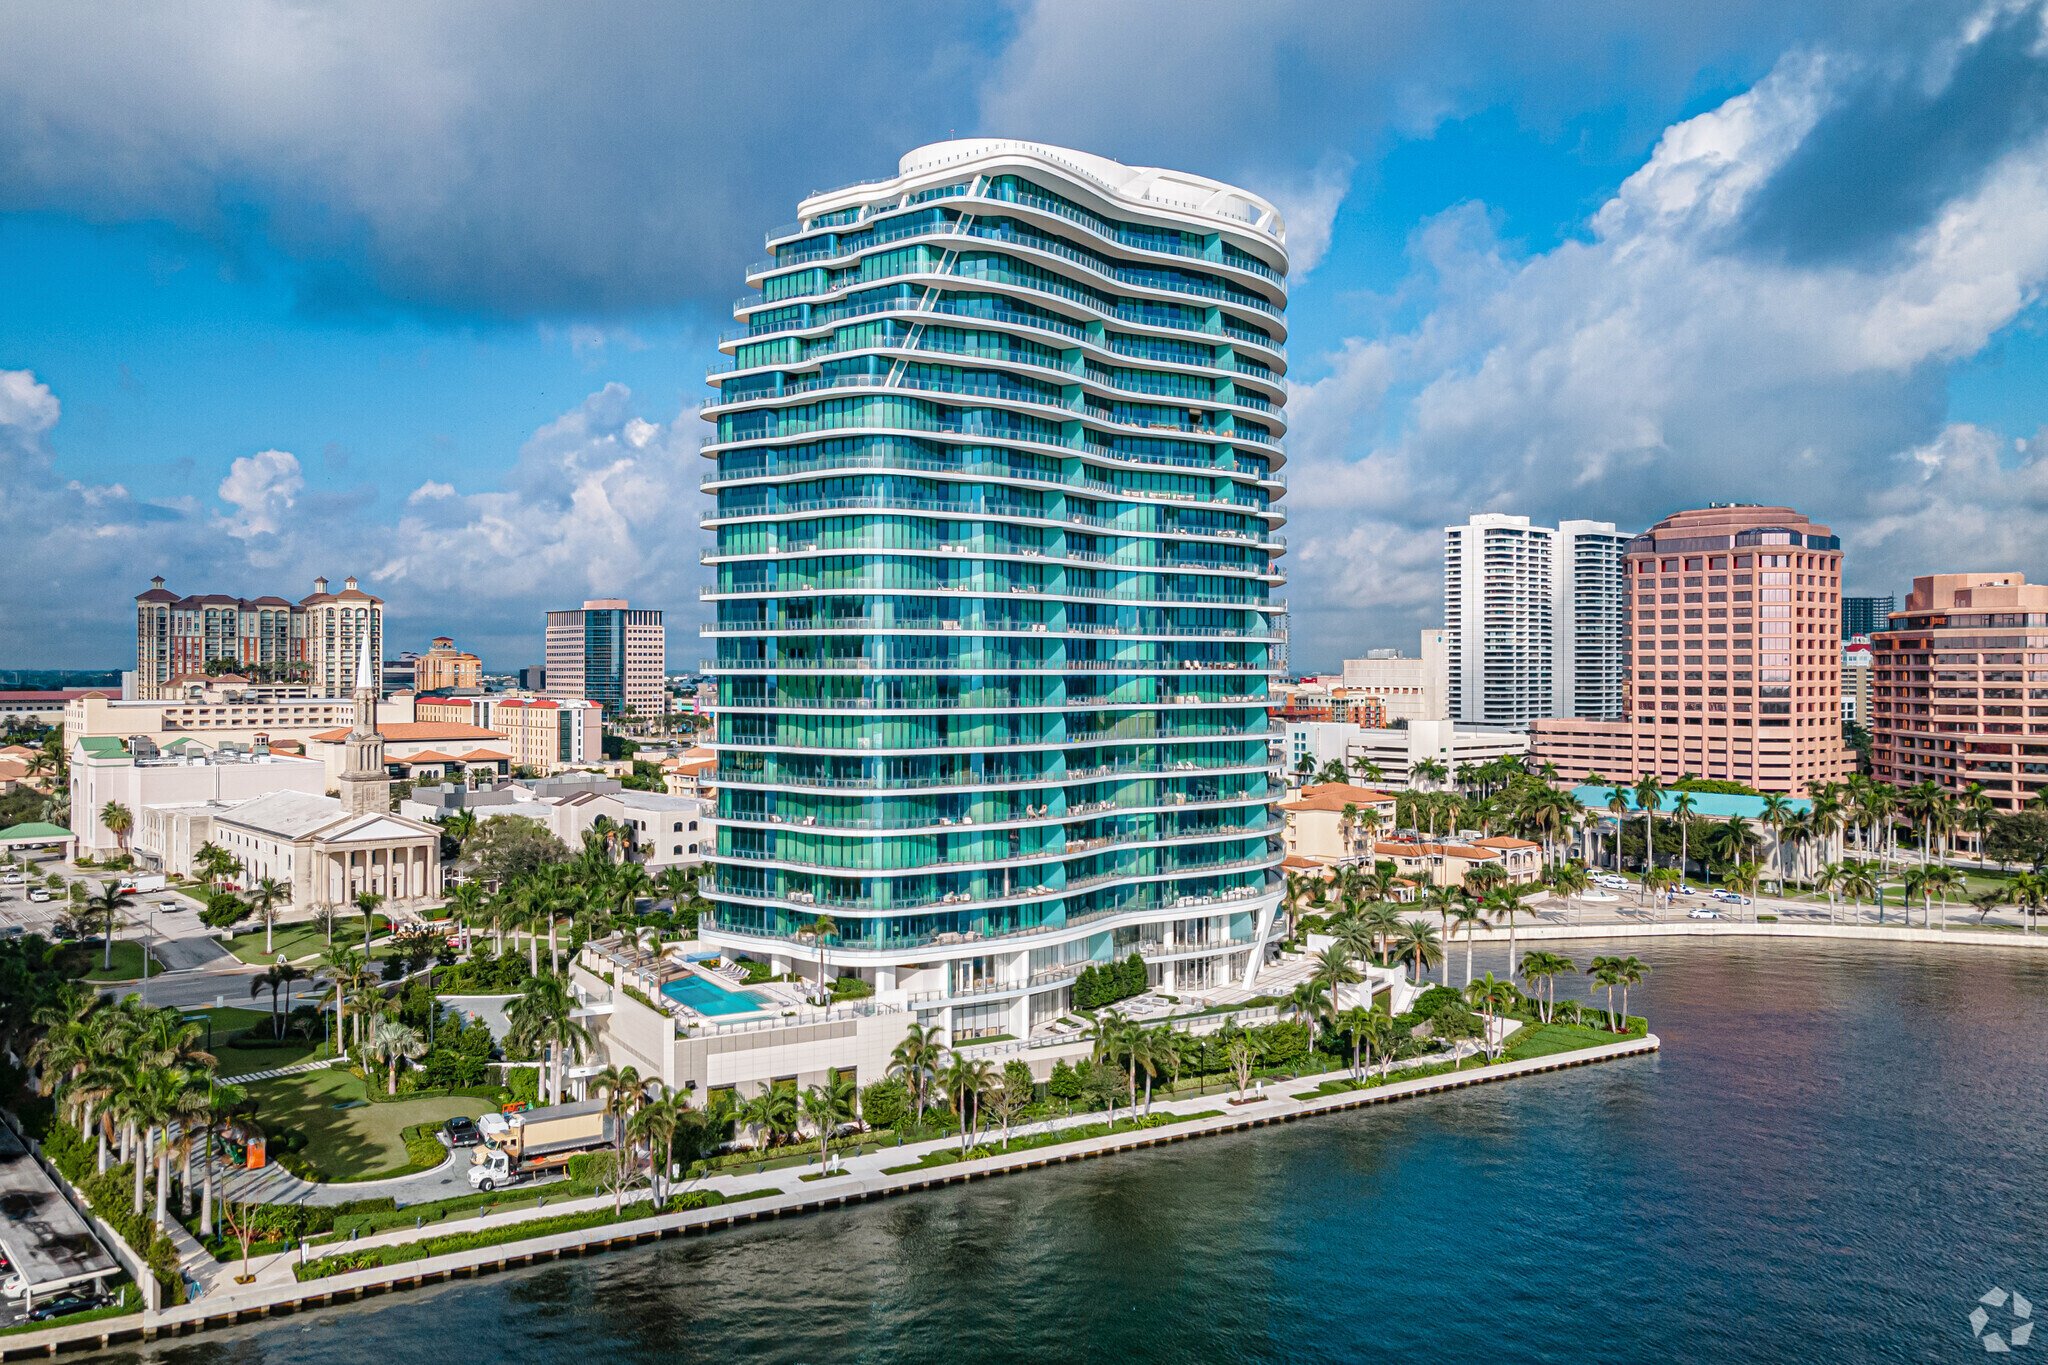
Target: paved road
point(276, 1185)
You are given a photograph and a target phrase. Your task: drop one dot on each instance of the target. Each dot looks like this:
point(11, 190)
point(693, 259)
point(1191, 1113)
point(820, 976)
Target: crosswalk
point(277, 1071)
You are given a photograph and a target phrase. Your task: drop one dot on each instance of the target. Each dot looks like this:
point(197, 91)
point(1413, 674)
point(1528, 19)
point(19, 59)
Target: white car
point(12, 879)
point(39, 895)
point(1703, 912)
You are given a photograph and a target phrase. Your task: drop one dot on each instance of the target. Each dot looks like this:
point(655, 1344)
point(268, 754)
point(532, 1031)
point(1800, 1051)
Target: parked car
point(461, 1131)
point(12, 879)
point(39, 895)
point(1703, 912)
point(65, 1304)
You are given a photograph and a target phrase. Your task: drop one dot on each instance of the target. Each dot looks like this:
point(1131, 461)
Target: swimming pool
point(706, 997)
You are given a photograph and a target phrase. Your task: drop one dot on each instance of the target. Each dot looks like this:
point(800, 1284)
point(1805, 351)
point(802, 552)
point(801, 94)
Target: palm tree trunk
point(163, 1179)
point(206, 1189)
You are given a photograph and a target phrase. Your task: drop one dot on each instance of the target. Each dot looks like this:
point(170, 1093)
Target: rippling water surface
point(1840, 1148)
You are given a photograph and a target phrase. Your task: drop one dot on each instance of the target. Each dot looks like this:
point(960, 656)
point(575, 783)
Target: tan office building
point(1960, 692)
point(444, 667)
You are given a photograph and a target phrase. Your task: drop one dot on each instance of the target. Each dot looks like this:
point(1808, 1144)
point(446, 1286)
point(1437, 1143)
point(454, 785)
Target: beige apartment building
point(1736, 658)
point(1960, 692)
point(444, 668)
point(1335, 822)
point(313, 641)
point(544, 735)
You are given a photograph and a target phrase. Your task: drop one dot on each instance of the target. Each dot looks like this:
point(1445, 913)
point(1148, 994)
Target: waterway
point(1841, 1147)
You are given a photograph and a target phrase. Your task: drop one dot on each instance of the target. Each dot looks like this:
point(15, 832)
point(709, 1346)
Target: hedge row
point(343, 1262)
point(112, 1196)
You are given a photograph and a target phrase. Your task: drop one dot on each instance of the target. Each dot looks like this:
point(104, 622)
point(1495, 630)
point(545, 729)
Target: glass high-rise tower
point(998, 464)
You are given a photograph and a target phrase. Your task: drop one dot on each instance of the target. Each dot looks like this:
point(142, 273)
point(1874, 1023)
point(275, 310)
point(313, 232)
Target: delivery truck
point(520, 1146)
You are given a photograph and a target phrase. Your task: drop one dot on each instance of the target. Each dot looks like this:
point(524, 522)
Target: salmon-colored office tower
point(1951, 702)
point(1736, 657)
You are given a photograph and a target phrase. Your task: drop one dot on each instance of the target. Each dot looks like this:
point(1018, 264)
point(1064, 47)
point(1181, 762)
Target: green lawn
point(297, 941)
point(1543, 1040)
point(232, 1020)
point(127, 962)
point(364, 1142)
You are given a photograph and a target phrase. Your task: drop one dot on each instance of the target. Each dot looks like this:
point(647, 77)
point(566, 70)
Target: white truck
point(519, 1146)
point(149, 881)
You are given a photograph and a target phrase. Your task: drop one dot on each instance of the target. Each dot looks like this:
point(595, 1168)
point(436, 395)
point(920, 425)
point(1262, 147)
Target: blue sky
point(428, 296)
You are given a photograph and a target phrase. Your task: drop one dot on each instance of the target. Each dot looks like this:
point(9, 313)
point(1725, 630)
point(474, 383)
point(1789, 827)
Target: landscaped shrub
point(1096, 987)
point(886, 1103)
point(222, 909)
point(593, 1168)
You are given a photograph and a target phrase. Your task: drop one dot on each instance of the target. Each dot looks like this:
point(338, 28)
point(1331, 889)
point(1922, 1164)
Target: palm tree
point(819, 931)
point(1333, 969)
point(1776, 812)
point(215, 864)
point(106, 905)
point(1381, 919)
point(1859, 878)
point(1464, 917)
point(1305, 1001)
point(623, 1092)
point(1381, 1037)
point(916, 1060)
point(1629, 971)
point(1541, 968)
point(1568, 880)
point(1355, 1024)
point(1428, 773)
point(543, 1017)
point(1152, 1050)
point(351, 975)
point(1942, 882)
point(1417, 941)
point(656, 1124)
point(391, 1043)
point(827, 1106)
point(965, 1078)
point(279, 977)
point(1618, 803)
point(1445, 899)
point(1504, 904)
point(1681, 814)
point(264, 898)
point(230, 1111)
point(366, 903)
point(119, 820)
point(1980, 817)
point(1649, 793)
point(1491, 997)
point(1606, 974)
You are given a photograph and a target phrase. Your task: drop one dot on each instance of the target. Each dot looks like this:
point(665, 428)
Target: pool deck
point(277, 1292)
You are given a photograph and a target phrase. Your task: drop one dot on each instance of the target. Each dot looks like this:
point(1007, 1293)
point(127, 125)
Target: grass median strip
point(341, 1263)
point(1057, 1138)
